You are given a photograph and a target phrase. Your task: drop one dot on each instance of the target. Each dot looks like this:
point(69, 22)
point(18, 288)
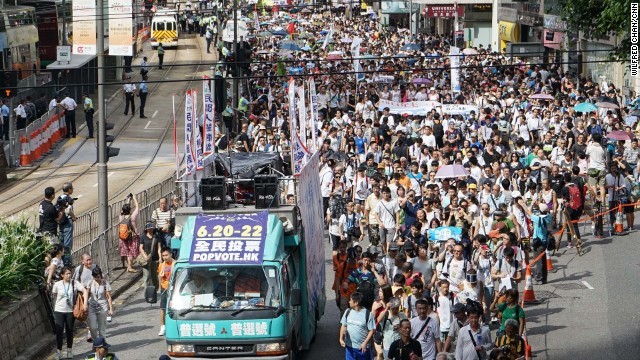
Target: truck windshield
point(225, 288)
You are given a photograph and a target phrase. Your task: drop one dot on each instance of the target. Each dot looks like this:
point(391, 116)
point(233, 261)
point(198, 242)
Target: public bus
point(164, 29)
point(18, 27)
point(52, 20)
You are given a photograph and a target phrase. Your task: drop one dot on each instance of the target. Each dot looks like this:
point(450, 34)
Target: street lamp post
point(103, 196)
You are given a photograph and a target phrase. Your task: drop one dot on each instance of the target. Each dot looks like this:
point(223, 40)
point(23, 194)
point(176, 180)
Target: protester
point(357, 329)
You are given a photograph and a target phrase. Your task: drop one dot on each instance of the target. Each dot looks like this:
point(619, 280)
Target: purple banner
point(229, 238)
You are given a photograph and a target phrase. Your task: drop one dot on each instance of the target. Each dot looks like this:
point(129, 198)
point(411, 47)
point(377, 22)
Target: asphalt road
point(585, 312)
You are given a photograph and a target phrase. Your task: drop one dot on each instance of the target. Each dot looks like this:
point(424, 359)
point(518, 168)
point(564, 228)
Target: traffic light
point(9, 84)
point(109, 151)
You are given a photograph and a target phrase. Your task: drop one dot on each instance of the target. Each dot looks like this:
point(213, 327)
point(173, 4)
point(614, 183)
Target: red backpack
point(575, 197)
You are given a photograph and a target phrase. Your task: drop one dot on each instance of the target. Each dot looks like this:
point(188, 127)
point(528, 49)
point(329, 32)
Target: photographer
point(511, 344)
point(66, 224)
point(50, 216)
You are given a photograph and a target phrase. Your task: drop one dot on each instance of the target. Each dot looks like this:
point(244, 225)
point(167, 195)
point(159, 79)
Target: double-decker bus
point(17, 25)
point(53, 20)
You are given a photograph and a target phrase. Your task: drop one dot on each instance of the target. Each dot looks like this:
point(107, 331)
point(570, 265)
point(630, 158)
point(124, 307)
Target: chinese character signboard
point(120, 28)
point(446, 11)
point(84, 27)
point(229, 238)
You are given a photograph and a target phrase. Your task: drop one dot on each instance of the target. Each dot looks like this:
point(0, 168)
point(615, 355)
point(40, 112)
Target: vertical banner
point(188, 131)
point(84, 27)
point(329, 36)
point(314, 113)
point(454, 60)
point(120, 28)
point(302, 114)
point(355, 52)
point(197, 147)
point(208, 126)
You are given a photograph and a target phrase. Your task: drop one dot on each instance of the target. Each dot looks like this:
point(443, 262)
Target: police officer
point(49, 216)
point(129, 90)
point(88, 113)
point(160, 55)
point(142, 93)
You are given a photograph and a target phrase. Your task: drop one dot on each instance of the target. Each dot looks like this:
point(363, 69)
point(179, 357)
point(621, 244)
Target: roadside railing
point(105, 247)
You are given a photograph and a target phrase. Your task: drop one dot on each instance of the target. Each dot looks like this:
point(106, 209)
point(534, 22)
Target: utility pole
point(64, 22)
point(236, 72)
point(103, 196)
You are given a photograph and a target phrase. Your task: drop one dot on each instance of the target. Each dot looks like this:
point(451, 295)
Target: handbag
point(79, 312)
point(141, 259)
point(378, 335)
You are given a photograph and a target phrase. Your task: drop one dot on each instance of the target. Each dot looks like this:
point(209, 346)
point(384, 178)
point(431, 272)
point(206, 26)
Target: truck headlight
point(271, 348)
point(181, 350)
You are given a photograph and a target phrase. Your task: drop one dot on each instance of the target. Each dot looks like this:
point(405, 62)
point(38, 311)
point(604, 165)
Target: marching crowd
point(434, 213)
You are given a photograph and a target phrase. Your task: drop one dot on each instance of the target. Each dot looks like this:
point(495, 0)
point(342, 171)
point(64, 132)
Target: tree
point(600, 19)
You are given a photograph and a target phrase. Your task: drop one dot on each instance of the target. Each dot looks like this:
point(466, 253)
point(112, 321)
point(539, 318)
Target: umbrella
point(346, 40)
point(266, 23)
point(306, 11)
point(280, 33)
point(410, 47)
point(635, 112)
point(334, 57)
point(541, 97)
point(585, 107)
point(290, 46)
point(620, 135)
point(324, 32)
point(261, 52)
point(306, 48)
point(366, 56)
point(422, 81)
point(470, 51)
point(607, 105)
point(451, 171)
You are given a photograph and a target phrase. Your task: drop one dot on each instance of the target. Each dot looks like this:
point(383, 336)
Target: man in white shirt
point(597, 168)
point(129, 92)
point(21, 115)
point(54, 102)
point(387, 215)
point(69, 105)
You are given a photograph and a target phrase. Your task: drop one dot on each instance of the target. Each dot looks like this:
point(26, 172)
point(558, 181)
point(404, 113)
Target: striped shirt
point(161, 218)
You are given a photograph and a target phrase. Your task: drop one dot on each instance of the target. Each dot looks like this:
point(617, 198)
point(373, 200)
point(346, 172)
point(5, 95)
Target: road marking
point(148, 123)
point(95, 185)
point(108, 175)
point(587, 285)
point(154, 114)
point(79, 196)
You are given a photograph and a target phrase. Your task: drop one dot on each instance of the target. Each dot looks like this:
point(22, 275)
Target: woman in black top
point(150, 251)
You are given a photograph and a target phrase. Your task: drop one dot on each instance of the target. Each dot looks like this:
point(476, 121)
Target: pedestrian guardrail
point(105, 247)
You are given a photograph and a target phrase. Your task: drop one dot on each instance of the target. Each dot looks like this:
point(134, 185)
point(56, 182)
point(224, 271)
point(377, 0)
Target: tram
point(20, 53)
point(54, 22)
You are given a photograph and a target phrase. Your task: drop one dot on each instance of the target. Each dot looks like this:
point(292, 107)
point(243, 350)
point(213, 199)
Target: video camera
point(64, 201)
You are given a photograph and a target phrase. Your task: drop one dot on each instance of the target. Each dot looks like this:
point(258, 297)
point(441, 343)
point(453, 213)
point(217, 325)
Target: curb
point(42, 348)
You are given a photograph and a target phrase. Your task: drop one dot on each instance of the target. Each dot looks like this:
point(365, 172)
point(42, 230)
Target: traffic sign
point(64, 54)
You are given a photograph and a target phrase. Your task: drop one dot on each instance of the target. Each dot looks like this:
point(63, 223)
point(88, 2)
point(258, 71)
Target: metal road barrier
point(38, 138)
point(105, 247)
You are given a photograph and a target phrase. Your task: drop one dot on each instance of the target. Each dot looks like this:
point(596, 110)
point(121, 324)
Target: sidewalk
point(120, 281)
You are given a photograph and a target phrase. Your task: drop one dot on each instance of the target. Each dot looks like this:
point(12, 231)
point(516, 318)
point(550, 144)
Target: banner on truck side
point(229, 238)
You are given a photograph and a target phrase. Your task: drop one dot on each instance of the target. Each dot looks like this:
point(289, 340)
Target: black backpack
point(367, 289)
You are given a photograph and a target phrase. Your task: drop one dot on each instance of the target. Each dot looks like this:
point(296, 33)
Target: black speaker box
point(214, 193)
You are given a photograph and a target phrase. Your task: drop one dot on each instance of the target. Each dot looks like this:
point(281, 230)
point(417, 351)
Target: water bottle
point(479, 339)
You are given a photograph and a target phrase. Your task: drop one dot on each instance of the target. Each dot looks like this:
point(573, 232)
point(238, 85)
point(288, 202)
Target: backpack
point(337, 207)
point(367, 314)
point(367, 289)
point(575, 197)
point(124, 230)
point(597, 129)
point(515, 264)
point(448, 263)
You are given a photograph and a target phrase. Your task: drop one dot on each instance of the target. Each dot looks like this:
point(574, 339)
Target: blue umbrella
point(324, 32)
point(410, 47)
point(290, 46)
point(585, 107)
point(280, 33)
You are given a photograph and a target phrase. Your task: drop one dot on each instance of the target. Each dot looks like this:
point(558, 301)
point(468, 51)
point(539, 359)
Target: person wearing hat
point(149, 253)
point(101, 350)
point(390, 321)
point(540, 238)
point(460, 319)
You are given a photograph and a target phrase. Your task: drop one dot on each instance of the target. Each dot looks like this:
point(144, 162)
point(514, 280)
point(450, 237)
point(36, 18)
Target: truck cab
point(239, 285)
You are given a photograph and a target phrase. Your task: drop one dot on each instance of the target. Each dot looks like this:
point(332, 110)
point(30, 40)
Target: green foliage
point(600, 19)
point(21, 257)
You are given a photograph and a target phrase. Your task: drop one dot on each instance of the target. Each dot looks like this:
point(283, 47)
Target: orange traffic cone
point(25, 159)
point(529, 296)
point(618, 227)
point(549, 262)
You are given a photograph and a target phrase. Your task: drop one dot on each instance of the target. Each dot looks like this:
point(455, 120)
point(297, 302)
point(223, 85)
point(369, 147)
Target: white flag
point(188, 130)
point(208, 128)
point(198, 136)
